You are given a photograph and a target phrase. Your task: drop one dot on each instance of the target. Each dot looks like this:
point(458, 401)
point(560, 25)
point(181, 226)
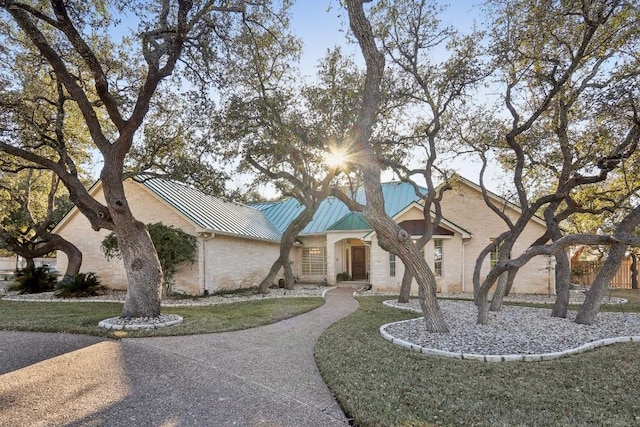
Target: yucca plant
point(33, 280)
point(80, 285)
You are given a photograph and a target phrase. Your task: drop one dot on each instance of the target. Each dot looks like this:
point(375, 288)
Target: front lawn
point(380, 384)
point(83, 317)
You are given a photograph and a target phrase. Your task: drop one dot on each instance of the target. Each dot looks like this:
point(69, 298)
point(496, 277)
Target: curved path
point(264, 376)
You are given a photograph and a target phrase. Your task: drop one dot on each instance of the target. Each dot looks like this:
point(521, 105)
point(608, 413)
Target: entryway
point(358, 263)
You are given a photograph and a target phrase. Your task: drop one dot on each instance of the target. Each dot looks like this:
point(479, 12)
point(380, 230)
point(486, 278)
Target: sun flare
point(336, 157)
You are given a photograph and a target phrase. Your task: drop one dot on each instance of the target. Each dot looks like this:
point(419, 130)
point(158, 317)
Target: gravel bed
point(514, 330)
point(116, 296)
point(575, 297)
point(135, 323)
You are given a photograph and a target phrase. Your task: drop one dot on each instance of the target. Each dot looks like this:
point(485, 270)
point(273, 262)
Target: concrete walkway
point(264, 376)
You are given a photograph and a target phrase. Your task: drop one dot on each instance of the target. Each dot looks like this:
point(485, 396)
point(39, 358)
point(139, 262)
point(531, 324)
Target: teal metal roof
point(212, 213)
point(267, 221)
point(280, 213)
point(332, 213)
point(351, 221)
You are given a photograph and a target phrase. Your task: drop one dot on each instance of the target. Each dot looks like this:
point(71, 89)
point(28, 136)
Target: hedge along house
point(237, 243)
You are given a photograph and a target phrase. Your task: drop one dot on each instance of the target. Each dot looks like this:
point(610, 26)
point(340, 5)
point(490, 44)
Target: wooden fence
point(588, 270)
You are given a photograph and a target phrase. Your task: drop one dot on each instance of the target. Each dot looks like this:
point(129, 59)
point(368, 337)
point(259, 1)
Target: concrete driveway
point(258, 377)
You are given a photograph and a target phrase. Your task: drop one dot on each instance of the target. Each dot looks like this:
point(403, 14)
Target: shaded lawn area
point(83, 317)
point(379, 384)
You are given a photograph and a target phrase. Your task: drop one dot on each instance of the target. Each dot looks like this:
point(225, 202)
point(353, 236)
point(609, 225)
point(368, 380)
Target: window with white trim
point(495, 254)
point(314, 262)
point(438, 256)
point(392, 265)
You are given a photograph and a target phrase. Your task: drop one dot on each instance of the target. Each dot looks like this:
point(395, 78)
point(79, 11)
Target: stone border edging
point(496, 358)
point(502, 357)
point(118, 323)
point(162, 304)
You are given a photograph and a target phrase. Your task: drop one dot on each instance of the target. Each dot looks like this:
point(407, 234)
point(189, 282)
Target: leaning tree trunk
point(390, 236)
point(74, 259)
point(405, 288)
point(74, 256)
point(563, 285)
point(144, 273)
point(591, 306)
point(394, 239)
point(499, 293)
point(287, 242)
point(289, 280)
point(589, 311)
point(273, 272)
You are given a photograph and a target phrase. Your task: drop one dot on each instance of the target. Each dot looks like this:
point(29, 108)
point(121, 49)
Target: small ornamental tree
point(174, 247)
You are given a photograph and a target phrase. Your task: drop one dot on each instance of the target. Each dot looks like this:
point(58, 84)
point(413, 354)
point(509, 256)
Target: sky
point(321, 24)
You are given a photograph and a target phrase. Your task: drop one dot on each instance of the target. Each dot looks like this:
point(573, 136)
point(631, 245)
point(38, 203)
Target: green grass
point(82, 318)
point(380, 384)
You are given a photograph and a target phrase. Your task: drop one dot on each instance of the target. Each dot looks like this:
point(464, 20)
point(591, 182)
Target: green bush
point(33, 280)
point(173, 246)
point(343, 277)
point(80, 285)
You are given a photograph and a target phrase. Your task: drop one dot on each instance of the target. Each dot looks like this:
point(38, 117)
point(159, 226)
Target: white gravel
point(119, 296)
point(513, 331)
point(165, 320)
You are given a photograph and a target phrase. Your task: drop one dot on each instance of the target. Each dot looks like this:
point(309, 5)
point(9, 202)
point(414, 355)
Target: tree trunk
point(289, 280)
point(263, 287)
point(48, 243)
point(405, 288)
point(30, 262)
point(287, 242)
point(499, 294)
point(591, 307)
point(394, 239)
point(563, 285)
point(483, 309)
point(634, 271)
point(390, 236)
point(144, 273)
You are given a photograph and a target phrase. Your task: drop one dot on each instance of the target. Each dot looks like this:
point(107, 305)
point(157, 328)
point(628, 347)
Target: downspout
point(206, 236)
point(463, 264)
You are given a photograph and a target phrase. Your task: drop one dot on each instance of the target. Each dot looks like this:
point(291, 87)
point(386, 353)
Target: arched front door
point(358, 263)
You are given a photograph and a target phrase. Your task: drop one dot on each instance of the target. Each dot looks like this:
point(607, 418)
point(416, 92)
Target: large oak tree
point(112, 81)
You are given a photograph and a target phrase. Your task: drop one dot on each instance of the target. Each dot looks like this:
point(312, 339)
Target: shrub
point(343, 277)
point(80, 285)
point(33, 280)
point(174, 247)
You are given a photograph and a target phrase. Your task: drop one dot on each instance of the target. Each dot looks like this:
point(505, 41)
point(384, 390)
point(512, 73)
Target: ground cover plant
point(33, 280)
point(83, 317)
point(379, 384)
point(80, 285)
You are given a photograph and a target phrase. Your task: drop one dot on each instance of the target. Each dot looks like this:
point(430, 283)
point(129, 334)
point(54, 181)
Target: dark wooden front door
point(358, 263)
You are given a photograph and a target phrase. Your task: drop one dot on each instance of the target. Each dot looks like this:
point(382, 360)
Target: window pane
point(438, 255)
point(392, 265)
point(314, 262)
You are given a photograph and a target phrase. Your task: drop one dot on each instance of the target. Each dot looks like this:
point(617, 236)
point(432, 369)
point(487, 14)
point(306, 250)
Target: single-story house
point(238, 243)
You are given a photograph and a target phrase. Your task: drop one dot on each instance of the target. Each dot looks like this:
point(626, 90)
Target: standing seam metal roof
point(397, 196)
point(212, 213)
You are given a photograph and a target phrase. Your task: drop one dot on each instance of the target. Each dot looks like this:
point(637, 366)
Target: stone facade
point(230, 262)
point(472, 224)
point(465, 207)
point(233, 263)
